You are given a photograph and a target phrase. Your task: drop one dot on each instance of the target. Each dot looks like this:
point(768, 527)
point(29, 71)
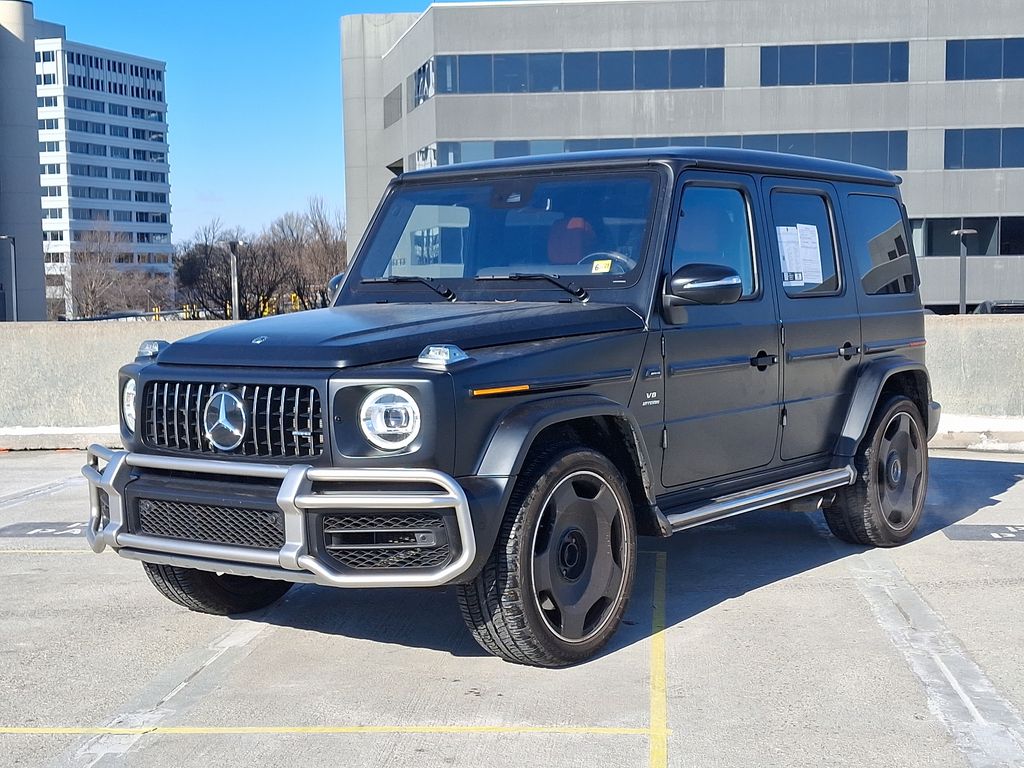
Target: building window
point(392, 107)
point(120, 152)
point(49, 146)
point(984, 148)
point(120, 194)
point(49, 168)
point(122, 215)
point(49, 124)
point(615, 70)
point(881, 149)
point(52, 191)
point(545, 72)
point(476, 74)
point(120, 173)
point(118, 109)
point(46, 101)
point(53, 213)
point(53, 236)
point(120, 131)
point(510, 73)
point(581, 72)
point(835, 63)
point(1011, 236)
point(940, 240)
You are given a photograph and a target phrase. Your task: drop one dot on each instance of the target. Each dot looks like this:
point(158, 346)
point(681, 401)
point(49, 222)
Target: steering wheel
point(621, 262)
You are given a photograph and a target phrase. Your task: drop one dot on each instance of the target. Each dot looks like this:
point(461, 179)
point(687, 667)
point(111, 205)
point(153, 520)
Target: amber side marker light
point(500, 390)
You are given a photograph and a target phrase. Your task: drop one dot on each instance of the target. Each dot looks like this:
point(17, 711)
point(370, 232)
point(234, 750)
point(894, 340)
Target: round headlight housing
point(128, 404)
point(390, 418)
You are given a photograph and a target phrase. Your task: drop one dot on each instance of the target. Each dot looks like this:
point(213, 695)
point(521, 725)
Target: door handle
point(848, 351)
point(762, 360)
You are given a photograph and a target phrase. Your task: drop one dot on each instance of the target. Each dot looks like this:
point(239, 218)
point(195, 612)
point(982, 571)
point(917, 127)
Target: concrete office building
point(102, 119)
point(930, 89)
point(20, 230)
point(83, 160)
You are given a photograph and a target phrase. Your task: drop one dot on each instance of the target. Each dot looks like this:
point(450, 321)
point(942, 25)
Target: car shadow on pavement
point(706, 566)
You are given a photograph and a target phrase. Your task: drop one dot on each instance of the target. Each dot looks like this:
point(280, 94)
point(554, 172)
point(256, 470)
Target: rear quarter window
point(878, 240)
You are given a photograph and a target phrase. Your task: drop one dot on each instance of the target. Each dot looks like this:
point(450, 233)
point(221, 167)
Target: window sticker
point(800, 252)
point(601, 266)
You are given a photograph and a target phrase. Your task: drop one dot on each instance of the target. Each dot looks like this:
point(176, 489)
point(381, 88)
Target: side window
point(714, 228)
point(806, 246)
point(881, 254)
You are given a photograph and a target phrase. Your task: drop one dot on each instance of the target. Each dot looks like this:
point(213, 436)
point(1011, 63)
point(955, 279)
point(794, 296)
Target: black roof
point(697, 157)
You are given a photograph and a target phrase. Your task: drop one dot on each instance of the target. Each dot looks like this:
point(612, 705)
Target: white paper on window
point(810, 253)
point(789, 251)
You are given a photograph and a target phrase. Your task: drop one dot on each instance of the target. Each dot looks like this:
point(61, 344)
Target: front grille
point(258, 528)
point(411, 540)
point(284, 421)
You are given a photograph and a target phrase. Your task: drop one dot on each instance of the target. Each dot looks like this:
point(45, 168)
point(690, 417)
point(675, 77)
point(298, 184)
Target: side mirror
point(704, 284)
point(334, 286)
point(699, 284)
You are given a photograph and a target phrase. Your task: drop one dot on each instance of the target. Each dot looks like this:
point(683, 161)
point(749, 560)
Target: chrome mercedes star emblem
point(259, 339)
point(225, 420)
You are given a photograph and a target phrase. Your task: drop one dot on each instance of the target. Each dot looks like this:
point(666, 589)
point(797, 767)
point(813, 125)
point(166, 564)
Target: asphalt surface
point(781, 647)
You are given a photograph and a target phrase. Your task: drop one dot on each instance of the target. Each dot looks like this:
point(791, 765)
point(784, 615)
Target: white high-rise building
point(103, 169)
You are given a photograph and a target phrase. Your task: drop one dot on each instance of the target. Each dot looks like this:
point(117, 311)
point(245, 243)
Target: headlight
point(128, 404)
point(390, 418)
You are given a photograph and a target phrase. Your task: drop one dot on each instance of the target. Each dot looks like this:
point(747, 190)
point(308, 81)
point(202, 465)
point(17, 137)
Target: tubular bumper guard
point(107, 527)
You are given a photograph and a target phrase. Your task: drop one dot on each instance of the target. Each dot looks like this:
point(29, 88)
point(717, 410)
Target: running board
point(759, 498)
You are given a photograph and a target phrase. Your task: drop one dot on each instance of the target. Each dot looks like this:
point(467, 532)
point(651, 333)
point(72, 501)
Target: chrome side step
point(759, 498)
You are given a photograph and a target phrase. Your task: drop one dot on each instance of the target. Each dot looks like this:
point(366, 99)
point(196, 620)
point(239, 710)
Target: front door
point(722, 377)
point(821, 325)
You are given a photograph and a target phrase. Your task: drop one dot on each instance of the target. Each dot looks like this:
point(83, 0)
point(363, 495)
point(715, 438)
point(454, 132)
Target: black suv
point(530, 363)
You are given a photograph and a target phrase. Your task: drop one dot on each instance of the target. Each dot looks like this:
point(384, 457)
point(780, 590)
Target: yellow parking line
point(186, 730)
point(658, 757)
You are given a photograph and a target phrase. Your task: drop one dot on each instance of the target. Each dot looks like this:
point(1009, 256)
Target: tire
point(885, 503)
point(557, 583)
point(219, 594)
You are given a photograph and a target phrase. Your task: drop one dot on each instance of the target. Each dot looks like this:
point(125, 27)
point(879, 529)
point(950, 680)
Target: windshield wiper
point(571, 288)
point(440, 289)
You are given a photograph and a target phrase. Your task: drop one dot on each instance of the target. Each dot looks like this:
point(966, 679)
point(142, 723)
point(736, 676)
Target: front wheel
point(556, 585)
point(885, 503)
point(219, 594)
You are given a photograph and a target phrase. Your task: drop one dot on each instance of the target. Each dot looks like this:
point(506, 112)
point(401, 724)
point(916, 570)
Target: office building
point(83, 158)
point(931, 91)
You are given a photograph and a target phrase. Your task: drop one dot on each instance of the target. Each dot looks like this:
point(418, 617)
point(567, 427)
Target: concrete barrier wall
point(57, 379)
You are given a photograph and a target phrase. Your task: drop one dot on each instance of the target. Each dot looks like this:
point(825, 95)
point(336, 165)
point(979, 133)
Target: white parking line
point(45, 489)
point(984, 725)
point(168, 695)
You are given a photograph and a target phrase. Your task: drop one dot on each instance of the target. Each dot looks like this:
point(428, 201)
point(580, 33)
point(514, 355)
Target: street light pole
point(961, 233)
point(14, 276)
point(233, 246)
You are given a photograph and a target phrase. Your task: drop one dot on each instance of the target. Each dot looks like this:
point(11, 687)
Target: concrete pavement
point(781, 647)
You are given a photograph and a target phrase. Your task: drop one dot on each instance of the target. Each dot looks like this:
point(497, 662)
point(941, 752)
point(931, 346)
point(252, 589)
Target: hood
point(363, 334)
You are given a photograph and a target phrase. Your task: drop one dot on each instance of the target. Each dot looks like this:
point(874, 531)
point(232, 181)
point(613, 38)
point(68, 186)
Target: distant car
point(999, 308)
point(530, 363)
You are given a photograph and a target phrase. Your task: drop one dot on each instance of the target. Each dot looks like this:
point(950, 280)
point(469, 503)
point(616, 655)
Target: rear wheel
point(885, 503)
point(556, 585)
point(220, 594)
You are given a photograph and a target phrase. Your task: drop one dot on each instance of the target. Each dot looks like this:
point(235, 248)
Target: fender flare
point(870, 383)
point(517, 429)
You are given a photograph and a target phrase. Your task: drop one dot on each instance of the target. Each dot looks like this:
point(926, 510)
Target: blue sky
point(253, 96)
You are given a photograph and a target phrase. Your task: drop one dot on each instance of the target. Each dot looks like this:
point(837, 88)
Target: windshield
point(590, 229)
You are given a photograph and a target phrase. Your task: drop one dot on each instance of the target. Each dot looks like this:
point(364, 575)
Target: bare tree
point(203, 267)
point(92, 271)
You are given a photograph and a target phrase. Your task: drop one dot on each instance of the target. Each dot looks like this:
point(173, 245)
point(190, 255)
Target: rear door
point(818, 311)
point(721, 406)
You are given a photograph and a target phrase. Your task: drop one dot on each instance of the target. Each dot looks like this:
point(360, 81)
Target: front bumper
point(336, 489)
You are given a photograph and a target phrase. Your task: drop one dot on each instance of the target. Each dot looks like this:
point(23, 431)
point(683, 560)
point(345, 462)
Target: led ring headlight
point(390, 418)
point(128, 404)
